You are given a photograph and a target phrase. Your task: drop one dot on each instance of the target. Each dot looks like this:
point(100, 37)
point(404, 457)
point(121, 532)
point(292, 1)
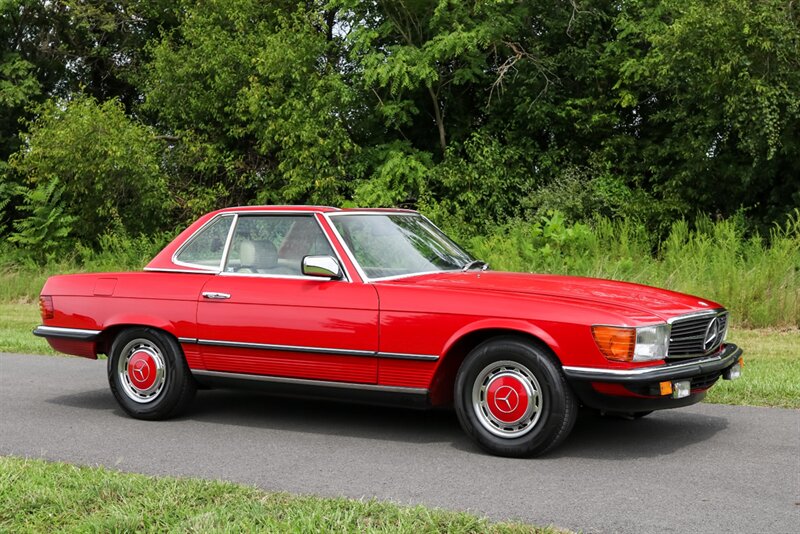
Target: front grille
point(690, 337)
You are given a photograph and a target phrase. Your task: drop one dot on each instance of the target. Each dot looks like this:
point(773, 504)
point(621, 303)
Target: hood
point(660, 302)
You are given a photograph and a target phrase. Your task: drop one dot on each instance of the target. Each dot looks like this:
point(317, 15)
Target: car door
point(261, 316)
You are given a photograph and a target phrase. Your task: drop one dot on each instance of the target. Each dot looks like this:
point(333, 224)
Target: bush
point(99, 167)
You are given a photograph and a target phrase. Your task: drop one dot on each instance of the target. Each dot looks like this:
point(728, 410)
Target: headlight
point(652, 343)
point(627, 344)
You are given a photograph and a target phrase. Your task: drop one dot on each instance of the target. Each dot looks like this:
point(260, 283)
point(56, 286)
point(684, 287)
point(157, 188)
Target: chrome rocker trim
point(310, 382)
point(311, 350)
point(729, 355)
point(66, 333)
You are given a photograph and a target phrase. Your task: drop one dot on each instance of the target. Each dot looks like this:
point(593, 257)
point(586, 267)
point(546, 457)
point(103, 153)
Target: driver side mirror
point(322, 267)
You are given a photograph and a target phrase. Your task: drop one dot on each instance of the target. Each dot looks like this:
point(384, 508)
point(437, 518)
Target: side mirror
point(322, 267)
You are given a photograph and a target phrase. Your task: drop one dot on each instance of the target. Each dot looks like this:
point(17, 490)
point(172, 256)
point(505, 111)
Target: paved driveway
point(705, 468)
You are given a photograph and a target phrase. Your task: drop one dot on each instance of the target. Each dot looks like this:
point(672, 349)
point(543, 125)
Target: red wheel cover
point(507, 398)
point(142, 370)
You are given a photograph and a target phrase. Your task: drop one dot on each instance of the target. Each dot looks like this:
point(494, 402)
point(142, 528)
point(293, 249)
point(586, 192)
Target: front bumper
point(637, 389)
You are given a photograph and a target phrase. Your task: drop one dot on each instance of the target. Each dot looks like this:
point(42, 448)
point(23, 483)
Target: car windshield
point(398, 244)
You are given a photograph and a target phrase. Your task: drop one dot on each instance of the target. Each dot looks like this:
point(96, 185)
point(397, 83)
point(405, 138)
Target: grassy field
point(17, 321)
point(37, 496)
point(771, 374)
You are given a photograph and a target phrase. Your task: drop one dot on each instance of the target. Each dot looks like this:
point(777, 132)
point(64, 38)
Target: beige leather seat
point(257, 256)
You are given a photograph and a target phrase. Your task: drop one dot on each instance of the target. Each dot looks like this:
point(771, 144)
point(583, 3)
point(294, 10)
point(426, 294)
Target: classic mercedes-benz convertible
point(378, 305)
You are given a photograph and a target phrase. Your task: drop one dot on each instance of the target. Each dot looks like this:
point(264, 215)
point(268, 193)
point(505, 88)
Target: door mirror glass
point(322, 267)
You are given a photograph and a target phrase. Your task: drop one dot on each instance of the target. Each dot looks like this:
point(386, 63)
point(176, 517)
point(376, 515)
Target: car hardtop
point(305, 209)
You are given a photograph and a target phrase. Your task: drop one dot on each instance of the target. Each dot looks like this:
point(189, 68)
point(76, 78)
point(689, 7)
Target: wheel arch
point(469, 337)
point(106, 338)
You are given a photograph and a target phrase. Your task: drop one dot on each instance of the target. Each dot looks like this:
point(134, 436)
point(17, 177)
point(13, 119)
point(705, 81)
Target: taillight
point(46, 307)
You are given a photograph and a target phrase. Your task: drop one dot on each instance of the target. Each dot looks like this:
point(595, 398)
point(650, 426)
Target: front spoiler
point(728, 356)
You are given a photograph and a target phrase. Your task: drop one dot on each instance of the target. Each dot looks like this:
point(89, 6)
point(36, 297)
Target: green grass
point(37, 496)
point(17, 321)
point(771, 374)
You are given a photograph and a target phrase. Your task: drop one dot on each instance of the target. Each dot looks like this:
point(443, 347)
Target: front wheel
point(512, 399)
point(148, 374)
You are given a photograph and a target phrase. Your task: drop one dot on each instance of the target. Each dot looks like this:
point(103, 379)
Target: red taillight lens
point(616, 343)
point(46, 307)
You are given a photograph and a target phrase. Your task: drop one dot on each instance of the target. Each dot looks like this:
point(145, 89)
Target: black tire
point(148, 374)
point(529, 377)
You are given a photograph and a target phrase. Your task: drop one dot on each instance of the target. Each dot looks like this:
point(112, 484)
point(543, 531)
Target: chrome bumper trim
point(729, 355)
point(309, 382)
point(66, 333)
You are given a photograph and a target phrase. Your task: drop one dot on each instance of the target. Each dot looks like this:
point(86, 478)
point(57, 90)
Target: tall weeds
point(757, 279)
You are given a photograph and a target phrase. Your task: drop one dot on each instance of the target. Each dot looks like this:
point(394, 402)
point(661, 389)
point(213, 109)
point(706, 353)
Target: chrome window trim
point(352, 257)
point(313, 214)
point(228, 240)
point(359, 270)
point(282, 276)
point(311, 350)
point(204, 268)
point(168, 270)
point(310, 382)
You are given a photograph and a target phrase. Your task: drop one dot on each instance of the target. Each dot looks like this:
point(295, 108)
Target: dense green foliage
point(135, 116)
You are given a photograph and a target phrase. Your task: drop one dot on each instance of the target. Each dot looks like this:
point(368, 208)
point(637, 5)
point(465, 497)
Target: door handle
point(215, 296)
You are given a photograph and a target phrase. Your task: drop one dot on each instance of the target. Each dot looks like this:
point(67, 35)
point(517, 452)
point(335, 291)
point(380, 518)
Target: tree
point(712, 96)
point(102, 168)
point(251, 93)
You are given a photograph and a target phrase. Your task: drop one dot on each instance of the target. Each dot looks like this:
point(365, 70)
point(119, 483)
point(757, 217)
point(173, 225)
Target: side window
point(206, 247)
point(275, 244)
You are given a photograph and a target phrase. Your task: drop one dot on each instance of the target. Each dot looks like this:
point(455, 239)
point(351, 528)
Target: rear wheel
point(512, 398)
point(148, 374)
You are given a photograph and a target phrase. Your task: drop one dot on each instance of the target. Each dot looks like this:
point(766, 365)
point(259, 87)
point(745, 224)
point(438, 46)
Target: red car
point(380, 306)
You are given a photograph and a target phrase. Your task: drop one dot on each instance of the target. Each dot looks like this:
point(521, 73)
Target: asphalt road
point(705, 468)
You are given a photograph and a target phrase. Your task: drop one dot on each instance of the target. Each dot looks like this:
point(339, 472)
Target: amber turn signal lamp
point(615, 343)
point(46, 307)
point(665, 388)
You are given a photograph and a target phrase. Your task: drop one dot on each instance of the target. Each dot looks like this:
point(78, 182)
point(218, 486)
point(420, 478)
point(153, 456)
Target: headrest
point(258, 254)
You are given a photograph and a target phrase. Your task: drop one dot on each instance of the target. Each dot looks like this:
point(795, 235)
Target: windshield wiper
point(475, 263)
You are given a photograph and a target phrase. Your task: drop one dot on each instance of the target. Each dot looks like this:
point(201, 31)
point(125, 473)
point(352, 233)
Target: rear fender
point(118, 323)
